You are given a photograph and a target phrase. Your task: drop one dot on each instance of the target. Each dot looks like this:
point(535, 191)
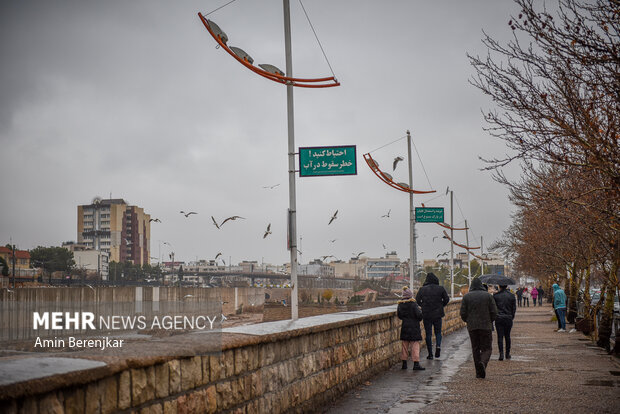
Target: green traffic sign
point(319, 161)
point(429, 214)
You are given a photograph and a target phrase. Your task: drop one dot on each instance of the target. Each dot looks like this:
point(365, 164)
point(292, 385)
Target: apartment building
point(379, 267)
point(113, 226)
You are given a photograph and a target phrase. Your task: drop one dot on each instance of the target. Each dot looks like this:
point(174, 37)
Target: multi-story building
point(22, 258)
point(117, 228)
point(355, 268)
point(383, 266)
point(94, 262)
point(315, 268)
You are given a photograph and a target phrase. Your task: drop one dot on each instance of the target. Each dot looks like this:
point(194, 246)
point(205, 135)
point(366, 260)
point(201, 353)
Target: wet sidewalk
point(549, 372)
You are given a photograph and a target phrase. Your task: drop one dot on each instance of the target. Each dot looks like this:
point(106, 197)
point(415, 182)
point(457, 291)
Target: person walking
point(506, 308)
point(541, 294)
point(559, 304)
point(534, 295)
point(520, 296)
point(410, 334)
point(526, 297)
point(432, 298)
point(478, 310)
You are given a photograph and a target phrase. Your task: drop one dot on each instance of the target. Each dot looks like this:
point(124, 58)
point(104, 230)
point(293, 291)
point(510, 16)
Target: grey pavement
point(550, 372)
point(404, 391)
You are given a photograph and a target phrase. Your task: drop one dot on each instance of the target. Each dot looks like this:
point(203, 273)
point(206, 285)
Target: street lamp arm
point(300, 82)
point(387, 178)
point(447, 226)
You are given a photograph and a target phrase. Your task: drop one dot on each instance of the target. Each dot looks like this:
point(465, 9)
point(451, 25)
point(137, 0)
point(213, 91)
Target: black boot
point(437, 352)
point(508, 354)
point(417, 366)
point(430, 352)
point(501, 356)
point(404, 365)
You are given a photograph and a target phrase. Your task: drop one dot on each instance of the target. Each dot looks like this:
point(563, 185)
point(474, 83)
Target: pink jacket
point(534, 293)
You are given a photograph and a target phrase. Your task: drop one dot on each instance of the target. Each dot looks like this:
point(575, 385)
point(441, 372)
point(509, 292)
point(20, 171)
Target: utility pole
point(481, 258)
point(451, 245)
point(468, 256)
point(291, 160)
point(13, 263)
point(412, 249)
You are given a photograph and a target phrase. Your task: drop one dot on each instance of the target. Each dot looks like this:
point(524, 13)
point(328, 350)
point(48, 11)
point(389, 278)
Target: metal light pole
point(291, 159)
point(451, 245)
point(412, 249)
point(481, 257)
point(468, 256)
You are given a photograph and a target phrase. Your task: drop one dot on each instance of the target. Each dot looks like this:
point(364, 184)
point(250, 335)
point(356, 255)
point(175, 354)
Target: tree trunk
point(604, 328)
point(572, 295)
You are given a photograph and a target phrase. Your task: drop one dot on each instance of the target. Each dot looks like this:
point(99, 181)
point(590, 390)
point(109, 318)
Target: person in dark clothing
point(432, 298)
point(478, 310)
point(541, 293)
point(410, 334)
point(506, 309)
point(520, 296)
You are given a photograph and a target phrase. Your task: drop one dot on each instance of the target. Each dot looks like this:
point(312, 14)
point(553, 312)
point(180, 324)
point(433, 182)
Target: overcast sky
point(132, 99)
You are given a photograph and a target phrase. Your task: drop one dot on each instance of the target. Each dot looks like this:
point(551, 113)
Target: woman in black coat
point(410, 335)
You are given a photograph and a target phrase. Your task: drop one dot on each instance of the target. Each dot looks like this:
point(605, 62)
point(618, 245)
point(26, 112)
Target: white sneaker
point(561, 330)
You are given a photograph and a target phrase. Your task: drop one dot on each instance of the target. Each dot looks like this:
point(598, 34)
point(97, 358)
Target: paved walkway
point(549, 372)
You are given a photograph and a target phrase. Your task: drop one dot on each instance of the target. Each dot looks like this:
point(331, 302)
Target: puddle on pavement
point(432, 388)
point(603, 383)
point(521, 358)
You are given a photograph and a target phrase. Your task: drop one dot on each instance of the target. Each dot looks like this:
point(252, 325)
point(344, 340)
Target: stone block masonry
point(272, 367)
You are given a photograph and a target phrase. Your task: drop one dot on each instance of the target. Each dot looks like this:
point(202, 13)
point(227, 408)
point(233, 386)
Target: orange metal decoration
point(458, 244)
point(276, 77)
point(387, 178)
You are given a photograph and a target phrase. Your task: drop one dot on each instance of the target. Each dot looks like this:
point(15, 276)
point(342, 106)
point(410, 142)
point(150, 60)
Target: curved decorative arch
point(272, 73)
point(387, 178)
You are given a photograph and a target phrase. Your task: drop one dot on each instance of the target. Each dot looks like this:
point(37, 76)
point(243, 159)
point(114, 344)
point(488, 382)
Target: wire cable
point(221, 7)
point(317, 38)
point(389, 143)
point(423, 169)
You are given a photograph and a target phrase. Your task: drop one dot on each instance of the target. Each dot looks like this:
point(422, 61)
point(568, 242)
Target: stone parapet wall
point(272, 367)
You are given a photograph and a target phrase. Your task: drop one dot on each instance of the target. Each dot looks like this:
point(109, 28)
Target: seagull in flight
point(156, 220)
point(334, 217)
point(215, 223)
point(231, 218)
point(383, 244)
point(447, 190)
point(268, 231)
point(331, 241)
point(325, 257)
point(442, 254)
point(357, 256)
point(396, 161)
point(217, 255)
point(388, 214)
point(271, 187)
point(188, 213)
point(434, 238)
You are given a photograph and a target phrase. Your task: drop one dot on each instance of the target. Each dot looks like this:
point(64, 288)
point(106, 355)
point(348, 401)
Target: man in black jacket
point(478, 310)
point(506, 308)
point(432, 298)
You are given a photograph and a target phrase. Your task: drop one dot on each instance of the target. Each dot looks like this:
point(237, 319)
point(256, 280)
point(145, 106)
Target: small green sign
point(318, 161)
point(429, 214)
